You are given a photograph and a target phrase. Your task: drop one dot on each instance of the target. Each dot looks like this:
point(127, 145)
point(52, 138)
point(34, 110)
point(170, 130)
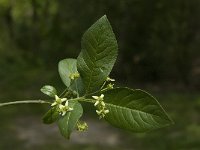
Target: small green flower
point(102, 112)
point(99, 100)
point(82, 126)
point(58, 101)
point(108, 79)
point(110, 86)
point(74, 76)
point(63, 109)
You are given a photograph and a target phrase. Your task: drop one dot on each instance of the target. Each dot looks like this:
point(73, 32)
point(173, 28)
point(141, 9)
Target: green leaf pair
point(133, 110)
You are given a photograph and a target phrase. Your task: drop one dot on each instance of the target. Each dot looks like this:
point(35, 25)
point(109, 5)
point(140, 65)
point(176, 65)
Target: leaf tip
point(104, 16)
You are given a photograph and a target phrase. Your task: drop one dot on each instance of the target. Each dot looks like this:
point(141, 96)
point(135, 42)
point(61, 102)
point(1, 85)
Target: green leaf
point(49, 90)
point(51, 116)
point(67, 123)
point(98, 54)
point(65, 68)
point(134, 110)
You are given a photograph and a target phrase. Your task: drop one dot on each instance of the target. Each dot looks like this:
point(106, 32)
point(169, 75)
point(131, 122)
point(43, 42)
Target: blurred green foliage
point(158, 40)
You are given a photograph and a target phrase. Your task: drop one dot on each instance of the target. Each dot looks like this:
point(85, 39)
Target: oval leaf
point(134, 110)
point(98, 54)
point(68, 122)
point(51, 116)
point(49, 90)
point(65, 68)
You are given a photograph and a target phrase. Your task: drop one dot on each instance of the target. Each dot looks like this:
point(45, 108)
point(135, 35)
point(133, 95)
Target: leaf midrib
point(134, 110)
point(67, 123)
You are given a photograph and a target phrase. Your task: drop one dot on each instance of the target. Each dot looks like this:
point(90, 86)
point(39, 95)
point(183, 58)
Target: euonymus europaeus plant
point(87, 80)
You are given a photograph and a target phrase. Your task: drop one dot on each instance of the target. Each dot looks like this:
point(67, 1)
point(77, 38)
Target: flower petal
point(95, 97)
point(102, 96)
point(96, 103)
point(103, 104)
point(70, 109)
point(106, 111)
point(63, 99)
point(98, 112)
point(61, 107)
point(63, 113)
point(66, 103)
point(53, 104)
point(56, 97)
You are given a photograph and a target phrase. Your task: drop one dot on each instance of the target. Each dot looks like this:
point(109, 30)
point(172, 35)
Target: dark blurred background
point(159, 42)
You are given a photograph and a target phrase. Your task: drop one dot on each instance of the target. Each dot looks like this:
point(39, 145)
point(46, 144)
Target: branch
point(25, 102)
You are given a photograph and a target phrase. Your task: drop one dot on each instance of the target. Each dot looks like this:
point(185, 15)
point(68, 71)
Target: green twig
point(98, 91)
point(87, 100)
point(77, 88)
point(103, 85)
point(83, 99)
point(64, 92)
point(25, 102)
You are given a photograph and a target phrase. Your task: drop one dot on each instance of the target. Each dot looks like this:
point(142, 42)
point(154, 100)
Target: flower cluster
point(110, 85)
point(74, 76)
point(58, 101)
point(63, 109)
point(82, 126)
point(101, 107)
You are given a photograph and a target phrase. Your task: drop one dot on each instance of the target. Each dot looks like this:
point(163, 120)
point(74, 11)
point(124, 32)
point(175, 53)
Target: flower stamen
point(58, 101)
